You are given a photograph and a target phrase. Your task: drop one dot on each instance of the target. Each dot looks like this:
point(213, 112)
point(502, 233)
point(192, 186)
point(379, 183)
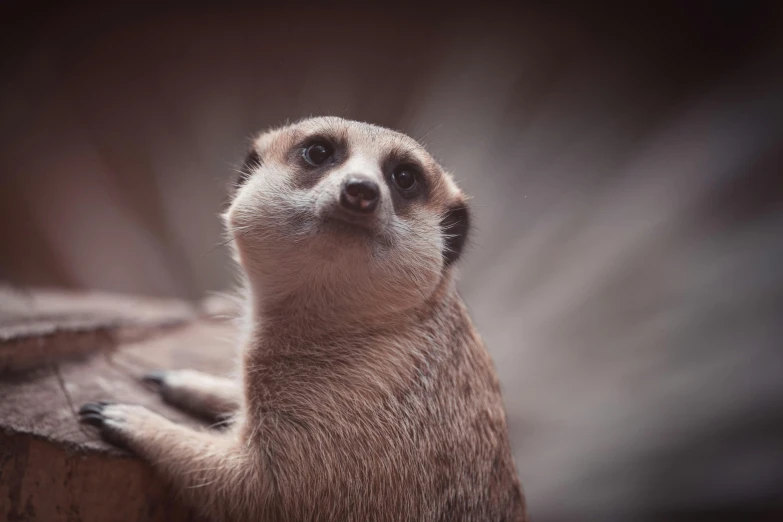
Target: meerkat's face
point(355, 210)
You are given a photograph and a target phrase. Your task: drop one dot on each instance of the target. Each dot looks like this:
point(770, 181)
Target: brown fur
point(366, 392)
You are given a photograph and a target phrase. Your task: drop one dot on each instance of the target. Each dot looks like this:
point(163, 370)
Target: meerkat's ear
point(252, 162)
point(455, 225)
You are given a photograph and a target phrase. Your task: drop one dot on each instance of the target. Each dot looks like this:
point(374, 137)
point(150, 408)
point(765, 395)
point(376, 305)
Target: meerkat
point(365, 392)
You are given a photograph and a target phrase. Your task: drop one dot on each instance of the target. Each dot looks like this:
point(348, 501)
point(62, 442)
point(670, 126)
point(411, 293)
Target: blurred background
point(626, 163)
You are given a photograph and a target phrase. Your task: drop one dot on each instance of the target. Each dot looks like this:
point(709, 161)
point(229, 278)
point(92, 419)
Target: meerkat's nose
point(360, 194)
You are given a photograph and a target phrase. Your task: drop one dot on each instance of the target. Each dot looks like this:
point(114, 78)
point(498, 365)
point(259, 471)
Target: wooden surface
point(59, 350)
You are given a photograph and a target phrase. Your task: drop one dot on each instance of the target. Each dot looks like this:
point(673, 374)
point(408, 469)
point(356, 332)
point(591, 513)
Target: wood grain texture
point(51, 467)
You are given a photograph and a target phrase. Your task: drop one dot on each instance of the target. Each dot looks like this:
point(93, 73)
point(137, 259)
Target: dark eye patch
point(337, 150)
point(318, 153)
point(308, 168)
point(407, 179)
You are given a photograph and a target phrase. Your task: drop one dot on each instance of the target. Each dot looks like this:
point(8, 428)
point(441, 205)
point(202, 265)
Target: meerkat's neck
point(295, 352)
point(298, 315)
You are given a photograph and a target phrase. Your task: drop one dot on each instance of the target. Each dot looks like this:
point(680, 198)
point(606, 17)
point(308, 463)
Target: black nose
point(360, 194)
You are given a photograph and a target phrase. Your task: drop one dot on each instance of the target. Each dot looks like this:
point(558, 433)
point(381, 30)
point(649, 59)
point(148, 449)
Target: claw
point(154, 377)
point(92, 418)
point(92, 407)
point(92, 413)
point(96, 414)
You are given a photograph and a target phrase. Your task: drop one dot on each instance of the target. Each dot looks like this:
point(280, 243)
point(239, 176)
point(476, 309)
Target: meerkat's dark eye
point(405, 178)
point(317, 153)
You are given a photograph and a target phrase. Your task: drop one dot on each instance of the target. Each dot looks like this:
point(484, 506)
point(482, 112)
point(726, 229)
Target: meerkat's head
point(357, 217)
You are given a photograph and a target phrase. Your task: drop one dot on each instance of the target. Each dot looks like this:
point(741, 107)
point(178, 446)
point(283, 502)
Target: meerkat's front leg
point(212, 470)
point(205, 395)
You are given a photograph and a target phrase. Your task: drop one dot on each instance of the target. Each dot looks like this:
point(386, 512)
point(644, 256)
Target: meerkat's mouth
point(346, 223)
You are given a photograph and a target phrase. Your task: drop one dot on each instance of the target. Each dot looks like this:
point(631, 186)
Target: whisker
point(426, 134)
point(221, 244)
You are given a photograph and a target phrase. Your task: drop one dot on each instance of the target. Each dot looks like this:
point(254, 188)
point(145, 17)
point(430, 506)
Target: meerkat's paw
point(119, 423)
point(213, 397)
